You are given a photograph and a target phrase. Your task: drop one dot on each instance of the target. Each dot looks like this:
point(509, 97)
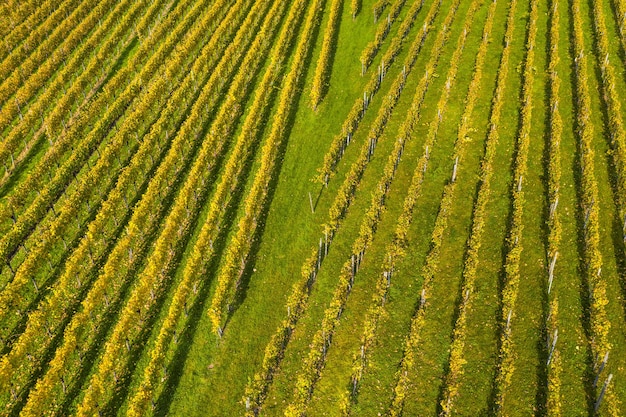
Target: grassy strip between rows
point(430, 267)
point(452, 378)
point(619, 9)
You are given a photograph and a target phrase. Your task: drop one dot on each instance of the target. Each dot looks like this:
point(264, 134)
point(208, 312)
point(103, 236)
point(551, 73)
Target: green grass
point(208, 375)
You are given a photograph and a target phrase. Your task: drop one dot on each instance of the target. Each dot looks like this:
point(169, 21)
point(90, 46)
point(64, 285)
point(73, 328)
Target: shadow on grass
point(120, 62)
point(621, 52)
point(258, 233)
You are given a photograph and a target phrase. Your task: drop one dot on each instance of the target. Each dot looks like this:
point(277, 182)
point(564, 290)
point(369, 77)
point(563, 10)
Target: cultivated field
point(312, 207)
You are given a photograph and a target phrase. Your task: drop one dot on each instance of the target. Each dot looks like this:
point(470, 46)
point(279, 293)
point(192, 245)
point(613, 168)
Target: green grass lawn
point(207, 375)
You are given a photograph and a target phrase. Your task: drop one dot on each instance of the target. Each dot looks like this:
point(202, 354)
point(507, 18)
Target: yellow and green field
point(312, 207)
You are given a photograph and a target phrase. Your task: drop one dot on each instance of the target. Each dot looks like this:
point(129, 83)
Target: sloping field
point(313, 207)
